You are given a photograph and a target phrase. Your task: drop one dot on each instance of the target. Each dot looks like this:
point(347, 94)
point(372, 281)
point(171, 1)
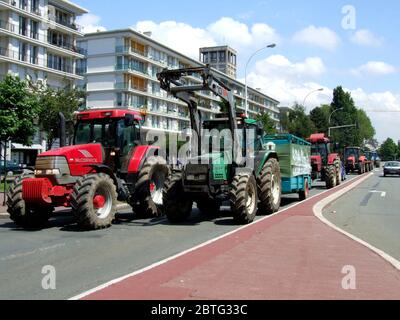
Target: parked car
point(391, 168)
point(10, 168)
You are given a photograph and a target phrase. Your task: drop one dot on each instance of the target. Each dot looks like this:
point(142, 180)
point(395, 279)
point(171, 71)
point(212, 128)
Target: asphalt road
point(84, 260)
point(371, 212)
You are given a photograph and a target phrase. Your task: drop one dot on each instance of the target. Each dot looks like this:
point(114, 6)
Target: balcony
point(13, 28)
point(24, 6)
point(130, 50)
point(130, 67)
point(127, 86)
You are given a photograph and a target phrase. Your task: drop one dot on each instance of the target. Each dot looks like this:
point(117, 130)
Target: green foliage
point(19, 109)
point(320, 117)
point(268, 123)
point(299, 123)
point(389, 150)
point(54, 101)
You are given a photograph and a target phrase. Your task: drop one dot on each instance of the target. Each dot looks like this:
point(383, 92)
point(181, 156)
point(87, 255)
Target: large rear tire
point(243, 198)
point(177, 207)
point(148, 197)
point(94, 201)
point(269, 188)
point(331, 177)
point(26, 215)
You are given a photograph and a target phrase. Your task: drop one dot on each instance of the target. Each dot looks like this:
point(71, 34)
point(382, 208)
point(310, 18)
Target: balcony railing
point(34, 60)
point(129, 50)
point(127, 86)
point(130, 67)
point(42, 38)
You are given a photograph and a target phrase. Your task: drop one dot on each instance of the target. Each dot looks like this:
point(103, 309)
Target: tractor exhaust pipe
point(62, 128)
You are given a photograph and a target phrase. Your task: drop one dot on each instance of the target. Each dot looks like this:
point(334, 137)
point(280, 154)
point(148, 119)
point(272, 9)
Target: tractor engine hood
point(316, 159)
point(79, 157)
point(215, 158)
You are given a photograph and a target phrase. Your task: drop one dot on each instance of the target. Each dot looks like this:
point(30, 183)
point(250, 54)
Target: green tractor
point(240, 167)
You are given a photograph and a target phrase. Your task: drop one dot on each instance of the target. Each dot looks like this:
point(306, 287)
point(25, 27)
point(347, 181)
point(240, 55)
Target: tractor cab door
point(128, 137)
point(253, 144)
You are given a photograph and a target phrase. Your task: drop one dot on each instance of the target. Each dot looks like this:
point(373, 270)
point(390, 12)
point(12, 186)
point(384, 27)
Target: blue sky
point(314, 50)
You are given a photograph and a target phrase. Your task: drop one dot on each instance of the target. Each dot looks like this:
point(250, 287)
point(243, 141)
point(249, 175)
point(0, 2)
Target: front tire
point(269, 188)
point(177, 207)
point(94, 201)
point(331, 177)
point(148, 198)
point(25, 215)
point(338, 166)
point(243, 198)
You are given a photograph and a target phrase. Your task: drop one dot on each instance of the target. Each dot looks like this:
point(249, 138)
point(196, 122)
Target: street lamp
point(309, 94)
point(330, 118)
point(271, 46)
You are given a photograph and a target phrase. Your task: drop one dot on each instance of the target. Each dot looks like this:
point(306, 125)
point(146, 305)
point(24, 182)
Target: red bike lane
point(291, 255)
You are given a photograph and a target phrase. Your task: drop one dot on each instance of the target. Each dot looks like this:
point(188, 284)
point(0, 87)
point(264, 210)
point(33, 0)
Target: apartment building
point(222, 58)
point(121, 69)
point(38, 41)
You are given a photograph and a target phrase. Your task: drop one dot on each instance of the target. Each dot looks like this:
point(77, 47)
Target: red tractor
point(106, 163)
point(356, 161)
point(325, 165)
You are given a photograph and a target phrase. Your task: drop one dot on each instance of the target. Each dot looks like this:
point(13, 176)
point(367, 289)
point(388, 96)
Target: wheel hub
point(99, 201)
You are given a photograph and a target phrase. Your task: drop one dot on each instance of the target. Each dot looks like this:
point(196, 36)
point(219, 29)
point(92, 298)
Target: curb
point(119, 207)
point(320, 206)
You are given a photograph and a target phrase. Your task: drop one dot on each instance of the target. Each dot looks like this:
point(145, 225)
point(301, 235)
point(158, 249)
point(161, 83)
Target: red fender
point(139, 154)
point(332, 157)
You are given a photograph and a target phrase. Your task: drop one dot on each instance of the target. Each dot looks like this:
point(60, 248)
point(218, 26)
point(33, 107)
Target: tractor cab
point(118, 132)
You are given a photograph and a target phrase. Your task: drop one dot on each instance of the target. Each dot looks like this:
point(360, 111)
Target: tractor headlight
point(49, 172)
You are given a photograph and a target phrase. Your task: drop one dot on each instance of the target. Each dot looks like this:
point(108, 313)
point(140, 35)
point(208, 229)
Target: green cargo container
point(294, 159)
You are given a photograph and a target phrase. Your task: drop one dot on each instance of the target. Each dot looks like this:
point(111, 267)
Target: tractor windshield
point(110, 133)
point(352, 152)
point(320, 149)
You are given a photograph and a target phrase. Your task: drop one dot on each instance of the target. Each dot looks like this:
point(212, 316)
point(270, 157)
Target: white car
point(391, 168)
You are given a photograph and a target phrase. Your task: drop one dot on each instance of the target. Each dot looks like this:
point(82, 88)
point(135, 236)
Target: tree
point(299, 123)
point(54, 101)
point(365, 131)
point(19, 108)
point(388, 150)
point(320, 117)
point(268, 123)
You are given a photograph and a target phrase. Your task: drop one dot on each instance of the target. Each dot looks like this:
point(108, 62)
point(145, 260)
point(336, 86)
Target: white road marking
point(319, 207)
point(29, 253)
point(383, 193)
point(162, 262)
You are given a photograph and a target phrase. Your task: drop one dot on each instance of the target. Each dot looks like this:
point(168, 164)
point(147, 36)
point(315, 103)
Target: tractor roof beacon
point(212, 177)
point(107, 162)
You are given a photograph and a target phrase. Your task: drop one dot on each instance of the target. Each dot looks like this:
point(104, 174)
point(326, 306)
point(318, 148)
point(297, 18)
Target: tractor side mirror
point(129, 120)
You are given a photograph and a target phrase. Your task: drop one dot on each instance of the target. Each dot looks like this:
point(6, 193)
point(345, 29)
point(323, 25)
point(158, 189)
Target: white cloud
point(318, 36)
point(188, 39)
point(179, 36)
point(374, 68)
point(290, 82)
point(90, 23)
point(365, 37)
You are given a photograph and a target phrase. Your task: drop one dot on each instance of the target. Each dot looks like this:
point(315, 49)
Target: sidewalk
point(292, 255)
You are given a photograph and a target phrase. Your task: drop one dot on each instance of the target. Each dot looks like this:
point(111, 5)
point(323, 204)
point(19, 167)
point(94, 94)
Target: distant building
point(121, 72)
point(38, 42)
point(221, 58)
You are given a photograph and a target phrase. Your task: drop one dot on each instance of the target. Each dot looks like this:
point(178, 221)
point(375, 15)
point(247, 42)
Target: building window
point(222, 56)
point(213, 57)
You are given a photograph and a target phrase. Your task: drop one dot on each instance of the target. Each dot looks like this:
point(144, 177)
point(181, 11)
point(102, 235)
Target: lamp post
point(309, 94)
point(330, 118)
point(271, 46)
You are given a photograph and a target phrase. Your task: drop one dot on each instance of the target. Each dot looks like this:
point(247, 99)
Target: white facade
point(38, 42)
point(121, 69)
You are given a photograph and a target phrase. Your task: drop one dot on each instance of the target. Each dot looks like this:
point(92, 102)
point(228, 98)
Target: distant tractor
point(325, 165)
point(107, 162)
point(356, 161)
point(373, 156)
